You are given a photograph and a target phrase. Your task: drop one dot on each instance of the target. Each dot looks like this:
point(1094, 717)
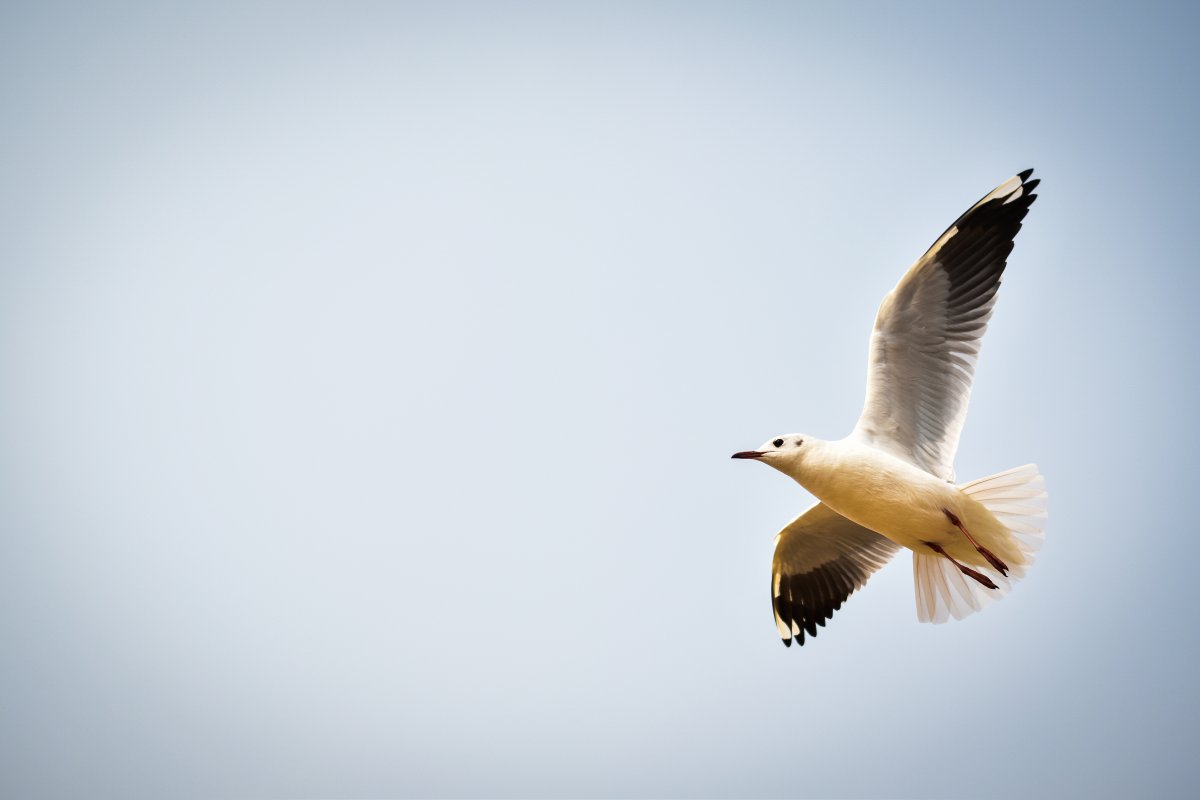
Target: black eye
point(778, 442)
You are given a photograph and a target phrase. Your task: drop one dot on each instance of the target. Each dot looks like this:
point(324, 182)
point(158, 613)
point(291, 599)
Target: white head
point(785, 453)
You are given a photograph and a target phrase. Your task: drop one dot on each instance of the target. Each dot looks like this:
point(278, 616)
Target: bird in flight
point(890, 483)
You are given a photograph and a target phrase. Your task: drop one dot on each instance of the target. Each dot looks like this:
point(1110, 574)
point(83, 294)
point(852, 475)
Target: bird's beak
point(749, 454)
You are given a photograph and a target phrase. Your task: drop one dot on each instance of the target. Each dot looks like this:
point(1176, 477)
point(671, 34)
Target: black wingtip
point(1031, 185)
point(786, 642)
point(1024, 176)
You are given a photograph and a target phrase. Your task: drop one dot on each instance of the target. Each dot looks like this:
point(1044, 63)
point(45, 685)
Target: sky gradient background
point(370, 374)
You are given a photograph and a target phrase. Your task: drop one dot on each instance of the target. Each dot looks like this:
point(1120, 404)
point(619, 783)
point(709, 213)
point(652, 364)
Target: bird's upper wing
point(928, 330)
point(820, 559)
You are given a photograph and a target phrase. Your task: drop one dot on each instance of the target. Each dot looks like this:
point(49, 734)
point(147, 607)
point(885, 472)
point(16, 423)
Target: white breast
point(880, 492)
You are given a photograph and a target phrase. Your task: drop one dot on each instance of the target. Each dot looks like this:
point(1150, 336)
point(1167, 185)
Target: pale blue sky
point(370, 372)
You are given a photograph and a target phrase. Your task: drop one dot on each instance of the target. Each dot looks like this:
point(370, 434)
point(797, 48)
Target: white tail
point(1017, 497)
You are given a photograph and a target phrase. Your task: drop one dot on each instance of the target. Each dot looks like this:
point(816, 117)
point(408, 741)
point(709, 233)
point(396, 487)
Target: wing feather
point(821, 558)
point(928, 330)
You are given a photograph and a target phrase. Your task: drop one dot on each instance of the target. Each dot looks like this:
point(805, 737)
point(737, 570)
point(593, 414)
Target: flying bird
point(890, 483)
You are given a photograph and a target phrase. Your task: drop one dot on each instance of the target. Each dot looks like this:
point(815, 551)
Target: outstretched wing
point(820, 559)
point(928, 331)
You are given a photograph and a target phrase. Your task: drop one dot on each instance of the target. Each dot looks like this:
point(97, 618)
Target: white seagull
point(890, 483)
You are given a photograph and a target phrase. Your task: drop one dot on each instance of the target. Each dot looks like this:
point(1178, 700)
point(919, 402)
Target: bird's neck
point(814, 471)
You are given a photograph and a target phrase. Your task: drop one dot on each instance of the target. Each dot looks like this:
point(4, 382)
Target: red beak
point(749, 454)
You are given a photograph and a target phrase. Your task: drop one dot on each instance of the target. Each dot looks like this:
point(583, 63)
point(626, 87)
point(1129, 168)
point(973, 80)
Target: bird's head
point(785, 453)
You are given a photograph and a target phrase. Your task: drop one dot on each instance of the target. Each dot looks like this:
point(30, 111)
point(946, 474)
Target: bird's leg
point(979, 576)
point(983, 551)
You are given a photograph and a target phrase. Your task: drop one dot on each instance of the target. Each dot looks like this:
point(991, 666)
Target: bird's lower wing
point(820, 559)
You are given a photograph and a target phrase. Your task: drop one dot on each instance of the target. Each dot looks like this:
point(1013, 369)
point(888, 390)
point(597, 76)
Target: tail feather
point(1017, 497)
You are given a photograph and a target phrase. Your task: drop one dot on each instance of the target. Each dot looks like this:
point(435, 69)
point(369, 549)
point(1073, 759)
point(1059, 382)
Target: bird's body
point(906, 504)
point(890, 483)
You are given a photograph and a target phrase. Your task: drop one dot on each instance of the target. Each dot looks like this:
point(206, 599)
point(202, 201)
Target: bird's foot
point(963, 568)
point(983, 551)
point(995, 562)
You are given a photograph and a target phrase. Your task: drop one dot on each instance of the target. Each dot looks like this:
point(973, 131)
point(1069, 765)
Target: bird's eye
point(778, 442)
